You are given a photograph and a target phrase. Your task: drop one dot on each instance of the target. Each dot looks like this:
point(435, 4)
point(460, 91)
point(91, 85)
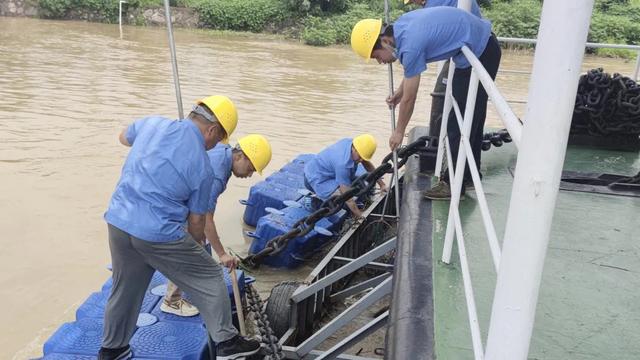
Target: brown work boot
point(441, 191)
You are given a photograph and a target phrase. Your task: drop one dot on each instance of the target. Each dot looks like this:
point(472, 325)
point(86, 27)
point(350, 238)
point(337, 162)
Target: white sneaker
point(180, 308)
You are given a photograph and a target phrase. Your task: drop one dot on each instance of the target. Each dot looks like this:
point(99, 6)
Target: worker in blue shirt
point(251, 154)
point(475, 9)
point(166, 182)
point(423, 36)
point(334, 168)
point(437, 103)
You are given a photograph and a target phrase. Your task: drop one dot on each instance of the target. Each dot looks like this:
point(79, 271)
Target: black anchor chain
point(606, 105)
point(269, 345)
point(360, 186)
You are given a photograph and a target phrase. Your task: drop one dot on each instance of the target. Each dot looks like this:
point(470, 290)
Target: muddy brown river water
point(68, 88)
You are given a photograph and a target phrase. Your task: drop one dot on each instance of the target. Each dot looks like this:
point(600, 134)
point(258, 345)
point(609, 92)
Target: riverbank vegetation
point(328, 22)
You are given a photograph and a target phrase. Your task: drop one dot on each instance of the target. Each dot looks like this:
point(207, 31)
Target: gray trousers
point(184, 262)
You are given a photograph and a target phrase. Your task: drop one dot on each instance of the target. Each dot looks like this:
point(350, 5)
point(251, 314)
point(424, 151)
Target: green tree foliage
point(516, 18)
point(327, 22)
point(106, 10)
point(242, 15)
point(336, 28)
point(54, 9)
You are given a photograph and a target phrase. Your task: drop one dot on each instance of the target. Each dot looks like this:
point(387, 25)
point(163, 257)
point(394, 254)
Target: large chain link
point(360, 186)
point(268, 340)
point(606, 105)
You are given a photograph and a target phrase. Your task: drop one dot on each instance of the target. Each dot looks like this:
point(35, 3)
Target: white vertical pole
point(472, 312)
point(174, 60)
point(120, 15)
point(554, 81)
point(636, 72)
point(464, 5)
point(456, 182)
point(445, 118)
point(396, 186)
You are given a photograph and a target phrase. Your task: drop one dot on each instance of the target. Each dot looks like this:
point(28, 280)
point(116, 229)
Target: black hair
point(386, 30)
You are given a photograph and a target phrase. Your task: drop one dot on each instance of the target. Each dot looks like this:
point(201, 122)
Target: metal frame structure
point(557, 61)
point(331, 280)
point(590, 45)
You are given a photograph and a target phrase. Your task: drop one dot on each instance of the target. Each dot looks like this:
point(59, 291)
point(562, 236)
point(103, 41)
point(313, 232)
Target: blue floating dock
point(279, 222)
point(158, 335)
point(285, 184)
point(95, 304)
point(272, 209)
point(81, 337)
point(267, 194)
point(56, 356)
point(170, 340)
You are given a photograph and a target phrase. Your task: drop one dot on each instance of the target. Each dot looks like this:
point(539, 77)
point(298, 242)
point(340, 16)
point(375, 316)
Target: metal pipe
point(345, 317)
point(509, 119)
point(456, 183)
point(305, 291)
point(482, 200)
point(355, 337)
point(636, 72)
point(174, 61)
point(586, 45)
point(120, 16)
point(472, 312)
point(556, 70)
point(445, 118)
point(393, 122)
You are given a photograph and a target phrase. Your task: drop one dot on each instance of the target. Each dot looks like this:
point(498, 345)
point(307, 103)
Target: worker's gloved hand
point(383, 188)
point(229, 261)
point(395, 140)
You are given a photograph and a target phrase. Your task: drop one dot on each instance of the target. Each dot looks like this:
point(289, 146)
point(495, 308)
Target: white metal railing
point(465, 155)
point(510, 328)
point(636, 48)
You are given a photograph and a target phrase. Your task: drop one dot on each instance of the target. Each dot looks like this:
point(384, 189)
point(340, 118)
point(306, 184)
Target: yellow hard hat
point(365, 145)
point(257, 149)
point(364, 36)
point(224, 110)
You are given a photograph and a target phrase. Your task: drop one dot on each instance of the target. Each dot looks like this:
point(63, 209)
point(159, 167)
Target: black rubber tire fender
point(279, 306)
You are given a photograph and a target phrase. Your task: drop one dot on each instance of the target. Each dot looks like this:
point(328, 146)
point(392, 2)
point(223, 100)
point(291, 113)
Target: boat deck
point(588, 302)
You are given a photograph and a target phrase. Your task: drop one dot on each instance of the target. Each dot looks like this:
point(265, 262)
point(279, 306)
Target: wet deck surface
point(588, 302)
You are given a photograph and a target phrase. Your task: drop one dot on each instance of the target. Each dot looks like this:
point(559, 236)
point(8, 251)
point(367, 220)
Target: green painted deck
point(589, 302)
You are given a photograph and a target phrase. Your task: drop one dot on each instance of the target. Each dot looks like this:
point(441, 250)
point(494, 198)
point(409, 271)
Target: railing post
point(456, 182)
point(120, 15)
point(636, 72)
point(174, 60)
point(554, 81)
point(445, 117)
